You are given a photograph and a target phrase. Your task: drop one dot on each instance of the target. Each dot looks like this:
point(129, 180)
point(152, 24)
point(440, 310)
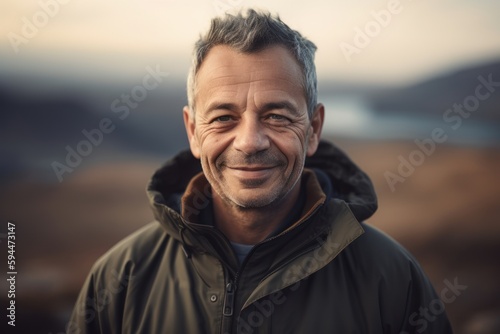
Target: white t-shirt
point(241, 250)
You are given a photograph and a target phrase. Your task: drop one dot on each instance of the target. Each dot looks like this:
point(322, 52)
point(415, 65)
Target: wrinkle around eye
point(277, 119)
point(222, 119)
point(222, 122)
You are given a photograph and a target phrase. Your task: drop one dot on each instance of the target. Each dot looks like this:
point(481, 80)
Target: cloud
point(424, 37)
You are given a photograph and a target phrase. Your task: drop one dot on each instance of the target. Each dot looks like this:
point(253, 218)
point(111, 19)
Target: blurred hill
point(432, 97)
point(446, 213)
point(41, 115)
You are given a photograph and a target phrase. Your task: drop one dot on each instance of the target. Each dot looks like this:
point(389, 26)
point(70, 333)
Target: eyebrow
point(268, 106)
point(281, 105)
point(221, 105)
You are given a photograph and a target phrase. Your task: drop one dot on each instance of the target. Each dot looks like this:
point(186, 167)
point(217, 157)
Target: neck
point(252, 225)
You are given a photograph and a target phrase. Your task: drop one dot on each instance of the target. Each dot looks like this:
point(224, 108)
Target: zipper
point(232, 285)
point(229, 299)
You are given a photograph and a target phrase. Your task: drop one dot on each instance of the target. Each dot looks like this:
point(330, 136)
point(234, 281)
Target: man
point(266, 236)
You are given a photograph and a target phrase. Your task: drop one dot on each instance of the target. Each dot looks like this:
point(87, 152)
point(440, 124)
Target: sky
point(389, 41)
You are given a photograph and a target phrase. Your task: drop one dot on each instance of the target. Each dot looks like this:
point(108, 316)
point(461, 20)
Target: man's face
point(250, 129)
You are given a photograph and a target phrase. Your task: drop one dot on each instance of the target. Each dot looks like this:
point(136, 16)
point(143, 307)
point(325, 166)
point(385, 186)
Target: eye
point(222, 119)
point(277, 118)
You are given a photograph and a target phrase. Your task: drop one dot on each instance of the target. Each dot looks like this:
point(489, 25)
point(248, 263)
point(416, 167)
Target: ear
point(314, 135)
point(190, 124)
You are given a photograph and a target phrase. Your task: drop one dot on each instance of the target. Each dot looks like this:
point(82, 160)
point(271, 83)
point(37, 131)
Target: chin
point(267, 199)
point(253, 204)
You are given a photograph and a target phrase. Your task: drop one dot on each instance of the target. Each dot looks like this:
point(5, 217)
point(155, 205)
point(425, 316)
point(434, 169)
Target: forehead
point(273, 68)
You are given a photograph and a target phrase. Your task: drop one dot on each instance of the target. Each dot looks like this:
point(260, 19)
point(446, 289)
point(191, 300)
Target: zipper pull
point(229, 299)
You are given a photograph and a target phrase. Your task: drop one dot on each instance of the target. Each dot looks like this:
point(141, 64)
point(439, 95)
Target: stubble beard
point(271, 199)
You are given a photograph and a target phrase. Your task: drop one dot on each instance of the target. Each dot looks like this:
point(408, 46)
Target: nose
point(251, 136)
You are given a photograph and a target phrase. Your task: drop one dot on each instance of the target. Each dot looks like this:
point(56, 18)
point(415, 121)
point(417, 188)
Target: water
point(350, 117)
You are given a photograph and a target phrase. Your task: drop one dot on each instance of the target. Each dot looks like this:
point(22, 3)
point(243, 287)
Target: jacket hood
point(345, 180)
point(339, 177)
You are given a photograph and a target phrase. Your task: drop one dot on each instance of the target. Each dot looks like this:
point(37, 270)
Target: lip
point(252, 172)
point(251, 168)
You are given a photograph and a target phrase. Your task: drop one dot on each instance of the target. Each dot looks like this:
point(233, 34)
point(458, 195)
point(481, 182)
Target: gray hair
point(253, 33)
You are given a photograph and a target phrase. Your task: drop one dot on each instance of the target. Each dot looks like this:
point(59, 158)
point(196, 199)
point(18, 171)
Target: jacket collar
point(348, 182)
point(178, 192)
point(197, 198)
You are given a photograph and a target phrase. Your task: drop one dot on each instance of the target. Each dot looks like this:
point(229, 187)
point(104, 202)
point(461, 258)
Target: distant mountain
point(40, 117)
point(40, 125)
point(434, 96)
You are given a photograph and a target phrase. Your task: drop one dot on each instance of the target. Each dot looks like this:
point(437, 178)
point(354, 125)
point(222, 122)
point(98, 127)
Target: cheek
point(212, 145)
point(293, 141)
point(293, 147)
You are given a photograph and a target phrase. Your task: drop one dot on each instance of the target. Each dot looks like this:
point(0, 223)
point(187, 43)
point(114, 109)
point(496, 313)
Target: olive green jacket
point(326, 273)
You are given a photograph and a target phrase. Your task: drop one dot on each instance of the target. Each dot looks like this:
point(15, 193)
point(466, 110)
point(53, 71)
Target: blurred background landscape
point(384, 89)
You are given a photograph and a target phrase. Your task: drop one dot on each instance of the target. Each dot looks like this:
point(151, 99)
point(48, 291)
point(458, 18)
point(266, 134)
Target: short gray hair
point(253, 33)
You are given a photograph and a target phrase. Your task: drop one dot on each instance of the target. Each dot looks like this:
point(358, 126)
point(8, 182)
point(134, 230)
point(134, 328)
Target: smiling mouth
point(252, 173)
point(252, 168)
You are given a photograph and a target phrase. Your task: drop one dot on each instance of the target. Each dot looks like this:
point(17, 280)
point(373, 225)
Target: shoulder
point(376, 249)
point(382, 264)
point(141, 249)
point(377, 261)
point(114, 275)
point(404, 292)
